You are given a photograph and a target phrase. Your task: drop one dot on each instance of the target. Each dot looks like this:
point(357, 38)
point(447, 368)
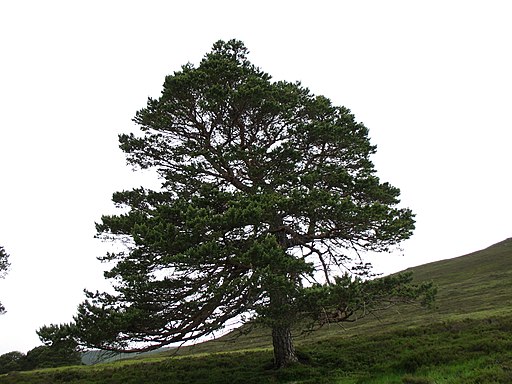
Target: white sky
point(432, 80)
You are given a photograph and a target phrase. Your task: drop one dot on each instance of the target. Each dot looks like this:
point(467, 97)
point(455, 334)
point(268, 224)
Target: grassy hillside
point(478, 282)
point(466, 339)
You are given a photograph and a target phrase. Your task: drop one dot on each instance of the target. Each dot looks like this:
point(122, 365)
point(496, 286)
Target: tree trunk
point(284, 351)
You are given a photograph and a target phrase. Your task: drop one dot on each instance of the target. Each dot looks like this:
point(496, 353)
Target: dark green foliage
point(60, 347)
point(4, 266)
point(60, 350)
point(12, 361)
point(266, 188)
point(48, 357)
point(39, 357)
point(60, 335)
point(4, 261)
point(352, 297)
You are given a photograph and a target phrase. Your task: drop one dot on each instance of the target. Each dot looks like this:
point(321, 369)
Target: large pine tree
point(268, 196)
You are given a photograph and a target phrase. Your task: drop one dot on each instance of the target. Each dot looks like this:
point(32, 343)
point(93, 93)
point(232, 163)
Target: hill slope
point(474, 283)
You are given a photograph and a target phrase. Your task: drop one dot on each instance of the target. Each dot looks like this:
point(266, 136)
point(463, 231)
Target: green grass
point(469, 351)
point(467, 339)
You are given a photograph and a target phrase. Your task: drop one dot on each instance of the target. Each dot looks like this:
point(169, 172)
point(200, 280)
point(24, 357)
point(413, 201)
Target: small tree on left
point(12, 361)
point(59, 349)
point(4, 266)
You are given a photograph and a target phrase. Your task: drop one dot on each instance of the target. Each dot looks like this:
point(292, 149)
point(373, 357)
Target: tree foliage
point(60, 349)
point(57, 335)
point(268, 198)
point(11, 362)
point(45, 356)
point(4, 267)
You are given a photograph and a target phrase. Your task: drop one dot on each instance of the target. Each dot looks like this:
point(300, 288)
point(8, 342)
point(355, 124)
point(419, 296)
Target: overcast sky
point(432, 80)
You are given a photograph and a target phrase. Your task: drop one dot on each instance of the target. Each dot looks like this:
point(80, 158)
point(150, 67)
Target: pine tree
point(268, 196)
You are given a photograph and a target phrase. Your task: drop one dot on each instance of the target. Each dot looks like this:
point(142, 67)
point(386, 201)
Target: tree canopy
point(12, 361)
point(59, 349)
point(4, 266)
point(268, 199)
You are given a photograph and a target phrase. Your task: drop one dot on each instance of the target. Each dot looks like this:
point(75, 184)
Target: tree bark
point(284, 351)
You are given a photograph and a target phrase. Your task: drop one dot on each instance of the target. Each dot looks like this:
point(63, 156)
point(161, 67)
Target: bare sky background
point(432, 80)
